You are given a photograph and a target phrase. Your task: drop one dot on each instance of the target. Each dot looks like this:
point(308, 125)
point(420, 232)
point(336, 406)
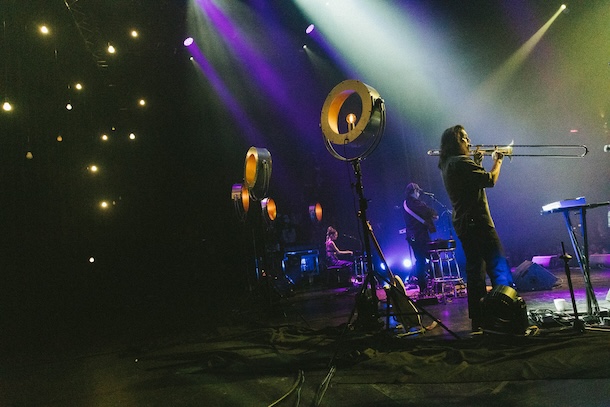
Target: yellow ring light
point(269, 209)
point(315, 212)
point(366, 131)
point(241, 200)
point(257, 171)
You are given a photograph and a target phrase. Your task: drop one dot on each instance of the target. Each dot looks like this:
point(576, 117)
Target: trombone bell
point(528, 150)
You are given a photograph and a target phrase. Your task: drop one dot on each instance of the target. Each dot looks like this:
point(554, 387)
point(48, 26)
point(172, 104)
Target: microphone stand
point(579, 326)
point(445, 211)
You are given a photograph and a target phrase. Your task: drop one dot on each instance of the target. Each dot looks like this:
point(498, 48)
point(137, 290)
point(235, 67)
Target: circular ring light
point(257, 172)
point(363, 133)
point(241, 200)
point(269, 209)
point(315, 212)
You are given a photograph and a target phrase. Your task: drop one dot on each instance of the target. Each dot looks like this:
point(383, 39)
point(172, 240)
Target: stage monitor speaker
point(533, 277)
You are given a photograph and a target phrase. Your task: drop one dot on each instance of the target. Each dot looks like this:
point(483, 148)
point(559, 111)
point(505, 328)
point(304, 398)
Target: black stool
point(338, 271)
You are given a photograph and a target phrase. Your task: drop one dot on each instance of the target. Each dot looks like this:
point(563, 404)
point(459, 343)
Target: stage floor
point(255, 349)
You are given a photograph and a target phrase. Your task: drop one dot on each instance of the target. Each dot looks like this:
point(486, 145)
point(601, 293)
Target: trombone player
point(465, 180)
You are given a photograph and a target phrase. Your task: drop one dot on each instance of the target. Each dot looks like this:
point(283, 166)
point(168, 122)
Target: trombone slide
point(528, 150)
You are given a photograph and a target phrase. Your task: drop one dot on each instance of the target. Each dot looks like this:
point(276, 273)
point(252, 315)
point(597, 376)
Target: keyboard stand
point(582, 252)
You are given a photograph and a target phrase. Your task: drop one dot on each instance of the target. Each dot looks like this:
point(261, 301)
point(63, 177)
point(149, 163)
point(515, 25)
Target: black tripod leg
point(579, 325)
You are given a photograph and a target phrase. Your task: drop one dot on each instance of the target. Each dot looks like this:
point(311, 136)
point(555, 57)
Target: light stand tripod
point(367, 301)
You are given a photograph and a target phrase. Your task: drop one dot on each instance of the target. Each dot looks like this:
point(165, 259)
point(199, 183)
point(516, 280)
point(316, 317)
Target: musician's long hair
point(331, 232)
point(450, 144)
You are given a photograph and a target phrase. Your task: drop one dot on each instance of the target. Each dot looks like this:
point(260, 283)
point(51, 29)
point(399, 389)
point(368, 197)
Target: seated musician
point(332, 251)
point(419, 222)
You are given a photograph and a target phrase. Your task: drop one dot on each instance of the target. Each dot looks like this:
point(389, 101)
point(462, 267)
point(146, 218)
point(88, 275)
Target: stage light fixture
point(111, 49)
point(269, 209)
point(315, 212)
point(362, 135)
point(188, 41)
point(310, 28)
point(241, 200)
point(7, 107)
point(504, 312)
point(257, 172)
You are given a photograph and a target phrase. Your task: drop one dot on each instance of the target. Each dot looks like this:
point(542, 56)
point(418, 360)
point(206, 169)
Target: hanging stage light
point(362, 135)
point(269, 209)
point(257, 172)
point(315, 212)
point(241, 200)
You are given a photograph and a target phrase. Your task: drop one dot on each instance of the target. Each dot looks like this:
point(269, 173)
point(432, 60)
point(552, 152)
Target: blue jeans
point(484, 256)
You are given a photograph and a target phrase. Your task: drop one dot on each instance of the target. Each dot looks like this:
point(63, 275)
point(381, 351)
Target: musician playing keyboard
point(419, 222)
point(332, 251)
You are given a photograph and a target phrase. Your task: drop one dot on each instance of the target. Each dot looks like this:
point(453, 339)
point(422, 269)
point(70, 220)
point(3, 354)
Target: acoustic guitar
point(404, 309)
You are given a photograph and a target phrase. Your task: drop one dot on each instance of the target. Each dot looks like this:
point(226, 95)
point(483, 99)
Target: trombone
point(528, 150)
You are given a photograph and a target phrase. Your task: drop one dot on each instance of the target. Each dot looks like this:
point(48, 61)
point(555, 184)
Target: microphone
point(427, 193)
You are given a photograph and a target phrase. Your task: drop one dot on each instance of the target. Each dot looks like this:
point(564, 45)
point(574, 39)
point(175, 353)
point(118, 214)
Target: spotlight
point(134, 34)
point(44, 29)
point(257, 171)
point(504, 311)
point(7, 107)
point(269, 209)
point(241, 200)
point(111, 49)
point(365, 134)
point(310, 28)
point(188, 41)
